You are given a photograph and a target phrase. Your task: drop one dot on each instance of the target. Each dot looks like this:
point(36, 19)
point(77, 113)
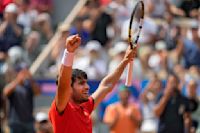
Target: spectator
point(148, 101)
point(78, 28)
point(171, 107)
point(43, 26)
point(11, 33)
point(3, 4)
point(158, 59)
point(156, 8)
point(42, 123)
point(32, 46)
point(26, 16)
point(189, 7)
point(123, 116)
point(42, 6)
point(102, 21)
point(194, 116)
point(3, 106)
point(20, 92)
point(190, 47)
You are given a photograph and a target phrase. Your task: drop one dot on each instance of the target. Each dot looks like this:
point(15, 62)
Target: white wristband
point(67, 59)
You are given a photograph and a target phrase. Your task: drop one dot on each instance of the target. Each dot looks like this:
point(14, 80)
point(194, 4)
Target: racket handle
point(129, 75)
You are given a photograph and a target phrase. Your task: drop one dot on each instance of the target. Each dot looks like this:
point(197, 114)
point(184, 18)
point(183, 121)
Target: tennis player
point(70, 110)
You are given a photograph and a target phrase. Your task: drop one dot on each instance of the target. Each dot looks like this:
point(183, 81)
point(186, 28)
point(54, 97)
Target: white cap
point(41, 116)
point(93, 45)
point(160, 45)
point(154, 61)
point(15, 53)
point(11, 8)
point(194, 24)
point(118, 48)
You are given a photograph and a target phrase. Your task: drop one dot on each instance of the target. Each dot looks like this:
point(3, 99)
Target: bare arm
point(177, 11)
point(113, 123)
point(143, 96)
point(64, 90)
point(111, 116)
point(159, 108)
point(35, 87)
point(3, 27)
point(10, 87)
point(108, 83)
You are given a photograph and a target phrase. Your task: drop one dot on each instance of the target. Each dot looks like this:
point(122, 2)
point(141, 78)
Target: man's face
point(124, 96)
point(172, 82)
point(10, 17)
point(192, 86)
point(80, 91)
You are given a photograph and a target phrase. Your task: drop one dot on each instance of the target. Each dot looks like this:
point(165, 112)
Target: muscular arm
point(64, 89)
point(108, 83)
point(159, 108)
point(9, 89)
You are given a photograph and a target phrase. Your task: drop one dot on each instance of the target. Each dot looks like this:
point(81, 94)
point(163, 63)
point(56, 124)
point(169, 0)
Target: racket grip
point(129, 75)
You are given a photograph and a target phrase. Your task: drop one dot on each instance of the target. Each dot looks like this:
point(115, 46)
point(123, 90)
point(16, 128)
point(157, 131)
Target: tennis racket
point(135, 27)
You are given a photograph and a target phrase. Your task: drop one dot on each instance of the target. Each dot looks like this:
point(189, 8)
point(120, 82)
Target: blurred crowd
point(169, 43)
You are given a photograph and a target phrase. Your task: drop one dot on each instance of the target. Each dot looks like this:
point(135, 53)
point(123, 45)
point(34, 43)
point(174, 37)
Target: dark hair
point(76, 74)
point(174, 75)
point(26, 2)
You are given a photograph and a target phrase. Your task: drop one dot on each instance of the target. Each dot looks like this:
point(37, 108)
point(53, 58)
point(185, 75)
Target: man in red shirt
point(71, 109)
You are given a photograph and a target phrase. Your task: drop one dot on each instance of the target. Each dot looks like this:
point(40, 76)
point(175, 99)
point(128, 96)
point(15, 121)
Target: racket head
point(135, 24)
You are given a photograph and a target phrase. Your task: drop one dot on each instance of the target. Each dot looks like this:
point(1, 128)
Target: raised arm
point(10, 87)
point(108, 83)
point(160, 106)
point(64, 90)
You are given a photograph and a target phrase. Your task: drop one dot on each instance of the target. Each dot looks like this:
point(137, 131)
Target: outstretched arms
point(108, 83)
point(64, 90)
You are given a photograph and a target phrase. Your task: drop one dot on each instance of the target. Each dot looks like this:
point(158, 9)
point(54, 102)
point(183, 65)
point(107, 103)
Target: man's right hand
point(21, 76)
point(72, 43)
point(130, 54)
point(168, 91)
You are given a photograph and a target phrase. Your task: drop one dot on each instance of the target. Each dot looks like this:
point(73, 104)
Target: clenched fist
point(72, 43)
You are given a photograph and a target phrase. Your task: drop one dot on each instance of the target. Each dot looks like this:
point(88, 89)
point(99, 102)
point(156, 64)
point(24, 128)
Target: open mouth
point(86, 93)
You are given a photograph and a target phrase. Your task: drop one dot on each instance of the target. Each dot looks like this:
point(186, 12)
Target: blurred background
point(33, 34)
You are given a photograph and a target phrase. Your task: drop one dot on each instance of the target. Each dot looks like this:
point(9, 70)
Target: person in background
point(43, 124)
point(3, 105)
point(26, 16)
point(194, 117)
point(20, 93)
point(42, 6)
point(123, 116)
point(190, 48)
point(171, 107)
point(148, 101)
point(3, 4)
point(11, 33)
